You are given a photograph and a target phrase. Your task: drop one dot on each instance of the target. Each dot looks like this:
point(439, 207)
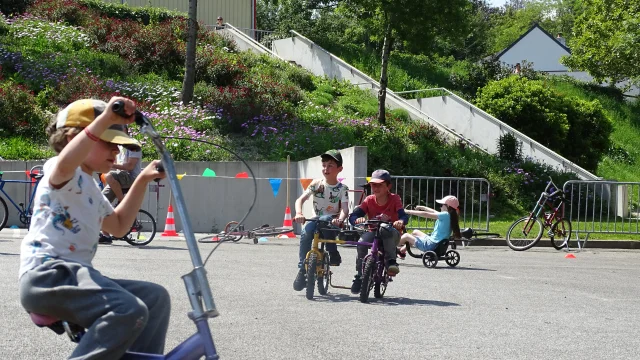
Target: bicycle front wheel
point(4, 213)
point(524, 233)
point(143, 229)
point(267, 230)
point(560, 233)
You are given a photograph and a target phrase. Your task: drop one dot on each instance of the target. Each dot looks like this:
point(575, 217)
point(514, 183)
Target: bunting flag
point(305, 183)
point(208, 173)
point(340, 179)
point(368, 179)
point(275, 186)
point(181, 176)
point(242, 175)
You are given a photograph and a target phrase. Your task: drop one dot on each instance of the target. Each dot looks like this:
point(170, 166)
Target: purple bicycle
point(374, 268)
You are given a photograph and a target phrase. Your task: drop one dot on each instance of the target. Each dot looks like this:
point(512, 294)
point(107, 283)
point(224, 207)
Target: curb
point(591, 244)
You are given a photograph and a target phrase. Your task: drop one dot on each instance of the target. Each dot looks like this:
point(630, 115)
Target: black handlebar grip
point(159, 168)
point(118, 108)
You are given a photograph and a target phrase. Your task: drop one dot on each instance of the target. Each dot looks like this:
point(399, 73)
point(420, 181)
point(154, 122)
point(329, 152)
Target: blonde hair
point(58, 138)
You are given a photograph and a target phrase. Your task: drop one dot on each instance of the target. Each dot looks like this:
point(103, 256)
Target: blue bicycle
point(25, 212)
point(200, 344)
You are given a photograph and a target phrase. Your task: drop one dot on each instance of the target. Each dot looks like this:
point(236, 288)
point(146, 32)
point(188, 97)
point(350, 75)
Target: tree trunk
point(190, 65)
point(382, 93)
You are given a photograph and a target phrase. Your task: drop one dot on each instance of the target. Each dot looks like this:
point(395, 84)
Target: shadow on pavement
point(150, 247)
point(8, 254)
point(393, 301)
point(445, 267)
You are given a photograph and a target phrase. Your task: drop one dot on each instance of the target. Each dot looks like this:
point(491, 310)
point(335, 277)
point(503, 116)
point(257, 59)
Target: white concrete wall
point(537, 48)
point(214, 201)
point(320, 62)
point(485, 130)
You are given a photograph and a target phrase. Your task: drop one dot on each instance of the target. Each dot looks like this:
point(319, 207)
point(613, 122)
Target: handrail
point(251, 40)
point(518, 134)
point(390, 93)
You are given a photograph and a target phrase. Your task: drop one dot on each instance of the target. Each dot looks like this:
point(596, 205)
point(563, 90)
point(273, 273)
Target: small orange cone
point(170, 225)
point(569, 256)
point(287, 223)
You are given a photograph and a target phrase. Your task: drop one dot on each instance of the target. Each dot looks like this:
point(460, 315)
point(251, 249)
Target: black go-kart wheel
point(452, 258)
point(430, 259)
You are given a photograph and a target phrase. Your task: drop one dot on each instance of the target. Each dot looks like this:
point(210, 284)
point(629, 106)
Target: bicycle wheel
point(143, 229)
point(560, 233)
point(4, 213)
point(367, 279)
point(267, 230)
point(325, 277)
point(524, 233)
point(311, 275)
point(381, 285)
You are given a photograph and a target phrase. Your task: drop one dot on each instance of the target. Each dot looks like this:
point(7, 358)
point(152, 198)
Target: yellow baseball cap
point(81, 113)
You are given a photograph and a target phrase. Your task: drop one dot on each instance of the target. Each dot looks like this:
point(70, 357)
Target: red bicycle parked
point(525, 232)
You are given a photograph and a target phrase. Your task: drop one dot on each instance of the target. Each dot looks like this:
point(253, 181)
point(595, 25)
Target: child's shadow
point(394, 301)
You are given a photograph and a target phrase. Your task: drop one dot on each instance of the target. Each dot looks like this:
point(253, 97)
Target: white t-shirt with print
point(66, 222)
point(327, 198)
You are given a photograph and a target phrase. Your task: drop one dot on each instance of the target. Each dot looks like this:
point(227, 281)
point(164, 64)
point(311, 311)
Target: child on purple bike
point(446, 221)
point(386, 206)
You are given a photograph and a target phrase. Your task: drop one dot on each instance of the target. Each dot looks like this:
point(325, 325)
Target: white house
point(544, 51)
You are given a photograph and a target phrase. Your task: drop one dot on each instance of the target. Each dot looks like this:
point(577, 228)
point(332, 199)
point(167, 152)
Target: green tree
point(605, 41)
point(407, 19)
point(188, 83)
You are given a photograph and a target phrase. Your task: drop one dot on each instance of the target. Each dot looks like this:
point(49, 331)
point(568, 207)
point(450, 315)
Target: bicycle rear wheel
point(524, 233)
point(560, 233)
point(4, 213)
point(267, 230)
point(143, 229)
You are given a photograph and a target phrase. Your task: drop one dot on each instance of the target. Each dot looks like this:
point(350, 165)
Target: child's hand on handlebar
point(151, 172)
point(300, 219)
point(361, 220)
point(398, 224)
point(337, 222)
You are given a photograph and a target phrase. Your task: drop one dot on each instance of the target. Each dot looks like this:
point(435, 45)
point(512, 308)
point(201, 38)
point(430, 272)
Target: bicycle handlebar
point(196, 282)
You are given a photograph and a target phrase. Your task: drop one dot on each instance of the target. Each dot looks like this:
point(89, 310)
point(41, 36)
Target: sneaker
point(335, 258)
point(357, 284)
point(301, 280)
point(393, 268)
point(402, 254)
point(104, 239)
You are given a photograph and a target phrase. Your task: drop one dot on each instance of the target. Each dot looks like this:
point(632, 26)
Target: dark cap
point(334, 155)
point(380, 176)
point(219, 17)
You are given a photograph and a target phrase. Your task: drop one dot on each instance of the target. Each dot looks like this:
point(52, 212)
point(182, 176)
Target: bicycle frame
point(196, 283)
point(315, 249)
point(26, 210)
point(540, 205)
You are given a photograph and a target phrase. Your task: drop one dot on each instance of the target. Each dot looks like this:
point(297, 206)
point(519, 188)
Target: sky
point(498, 3)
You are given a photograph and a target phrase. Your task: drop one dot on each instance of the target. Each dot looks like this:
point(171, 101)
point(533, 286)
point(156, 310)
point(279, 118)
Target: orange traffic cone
point(287, 223)
point(170, 225)
point(569, 256)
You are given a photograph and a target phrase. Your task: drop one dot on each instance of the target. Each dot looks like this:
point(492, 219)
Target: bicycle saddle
point(36, 175)
point(466, 233)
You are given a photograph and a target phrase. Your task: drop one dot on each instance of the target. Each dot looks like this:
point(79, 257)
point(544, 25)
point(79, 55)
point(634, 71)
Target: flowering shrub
point(50, 36)
point(19, 112)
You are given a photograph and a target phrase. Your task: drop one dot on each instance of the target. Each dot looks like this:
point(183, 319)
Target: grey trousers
point(390, 239)
point(119, 315)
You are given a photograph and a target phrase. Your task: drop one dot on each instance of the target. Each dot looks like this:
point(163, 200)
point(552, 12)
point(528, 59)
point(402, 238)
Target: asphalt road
point(497, 304)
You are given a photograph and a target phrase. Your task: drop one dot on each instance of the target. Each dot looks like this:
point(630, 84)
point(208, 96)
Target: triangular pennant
point(208, 173)
point(275, 186)
point(305, 183)
point(340, 179)
point(368, 178)
point(242, 175)
point(181, 176)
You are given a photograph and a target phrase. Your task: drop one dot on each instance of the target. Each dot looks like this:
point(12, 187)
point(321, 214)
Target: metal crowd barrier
point(605, 207)
point(472, 193)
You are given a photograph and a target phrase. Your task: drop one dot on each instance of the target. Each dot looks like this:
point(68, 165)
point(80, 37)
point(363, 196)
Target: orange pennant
point(305, 183)
point(242, 175)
